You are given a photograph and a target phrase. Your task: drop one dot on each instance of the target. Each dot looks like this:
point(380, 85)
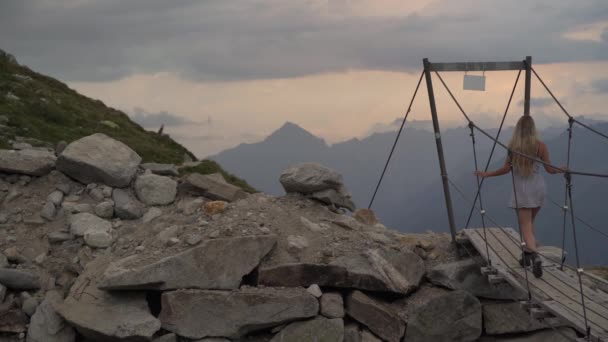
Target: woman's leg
point(534, 213)
point(524, 215)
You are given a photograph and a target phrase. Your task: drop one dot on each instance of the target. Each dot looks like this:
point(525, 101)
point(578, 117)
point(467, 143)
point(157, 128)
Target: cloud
point(600, 86)
point(538, 102)
point(84, 40)
point(155, 120)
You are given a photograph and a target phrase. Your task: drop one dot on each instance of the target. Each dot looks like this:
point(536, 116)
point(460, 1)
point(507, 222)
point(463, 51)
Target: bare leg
point(534, 213)
point(524, 216)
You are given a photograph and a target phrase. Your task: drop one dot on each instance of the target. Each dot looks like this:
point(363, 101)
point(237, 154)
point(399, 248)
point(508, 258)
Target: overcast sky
point(221, 72)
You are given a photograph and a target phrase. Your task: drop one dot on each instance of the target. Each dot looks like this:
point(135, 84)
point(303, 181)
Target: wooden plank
point(567, 288)
point(477, 66)
point(577, 322)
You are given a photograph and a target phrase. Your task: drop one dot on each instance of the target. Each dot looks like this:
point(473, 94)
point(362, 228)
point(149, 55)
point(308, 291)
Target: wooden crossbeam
point(477, 66)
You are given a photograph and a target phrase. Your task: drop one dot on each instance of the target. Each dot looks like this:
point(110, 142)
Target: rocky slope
point(96, 246)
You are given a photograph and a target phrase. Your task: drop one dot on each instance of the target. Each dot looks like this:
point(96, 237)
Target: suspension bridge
point(566, 293)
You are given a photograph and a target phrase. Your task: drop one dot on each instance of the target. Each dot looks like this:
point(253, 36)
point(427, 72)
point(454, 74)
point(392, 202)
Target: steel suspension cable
point(502, 122)
point(564, 109)
point(579, 270)
point(585, 223)
point(407, 113)
point(481, 211)
point(565, 208)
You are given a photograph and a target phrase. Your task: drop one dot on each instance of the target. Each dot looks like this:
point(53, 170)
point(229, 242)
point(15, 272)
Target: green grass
point(207, 167)
point(50, 111)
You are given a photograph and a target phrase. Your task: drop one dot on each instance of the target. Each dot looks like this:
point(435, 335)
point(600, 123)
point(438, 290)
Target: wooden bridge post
point(528, 65)
point(444, 173)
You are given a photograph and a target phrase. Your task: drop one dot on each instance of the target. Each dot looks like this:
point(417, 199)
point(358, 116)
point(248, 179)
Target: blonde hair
point(525, 141)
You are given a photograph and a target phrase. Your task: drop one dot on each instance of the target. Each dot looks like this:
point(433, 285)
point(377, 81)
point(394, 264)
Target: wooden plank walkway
point(557, 291)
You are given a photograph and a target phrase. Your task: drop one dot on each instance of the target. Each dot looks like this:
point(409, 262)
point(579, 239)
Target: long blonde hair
point(524, 140)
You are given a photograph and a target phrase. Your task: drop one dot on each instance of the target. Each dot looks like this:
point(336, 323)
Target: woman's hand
point(481, 174)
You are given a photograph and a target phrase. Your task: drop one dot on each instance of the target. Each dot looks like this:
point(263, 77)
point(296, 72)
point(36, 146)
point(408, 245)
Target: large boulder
point(549, 335)
point(374, 270)
point(126, 207)
point(105, 316)
point(46, 325)
point(27, 162)
point(319, 329)
point(466, 275)
point(507, 318)
point(82, 223)
point(340, 198)
point(201, 313)
point(214, 264)
point(161, 169)
point(99, 159)
point(212, 188)
point(155, 190)
point(378, 317)
point(308, 178)
point(453, 316)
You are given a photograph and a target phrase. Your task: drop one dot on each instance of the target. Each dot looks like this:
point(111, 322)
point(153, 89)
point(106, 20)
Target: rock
point(60, 147)
point(453, 316)
point(190, 206)
point(13, 321)
point(506, 318)
point(106, 191)
point(215, 207)
point(19, 279)
point(167, 338)
point(155, 190)
point(104, 316)
point(161, 169)
point(105, 209)
point(314, 227)
point(367, 336)
point(339, 198)
point(466, 275)
point(332, 305)
point(27, 162)
point(215, 264)
point(379, 318)
point(98, 238)
point(29, 306)
point(319, 329)
point(315, 290)
point(365, 216)
point(217, 177)
point(3, 217)
point(194, 239)
point(3, 261)
point(82, 223)
point(199, 313)
point(96, 194)
point(3, 291)
point(387, 271)
point(296, 243)
point(21, 146)
point(48, 211)
point(308, 178)
point(168, 233)
point(352, 333)
point(206, 186)
point(33, 220)
point(12, 253)
point(125, 206)
point(99, 159)
point(152, 214)
point(55, 197)
point(75, 208)
point(561, 335)
point(59, 237)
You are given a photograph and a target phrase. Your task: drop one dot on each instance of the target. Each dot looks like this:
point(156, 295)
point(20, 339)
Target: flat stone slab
point(98, 158)
point(211, 188)
point(104, 316)
point(379, 318)
point(374, 270)
point(319, 329)
point(214, 264)
point(27, 162)
point(507, 318)
point(202, 313)
point(307, 178)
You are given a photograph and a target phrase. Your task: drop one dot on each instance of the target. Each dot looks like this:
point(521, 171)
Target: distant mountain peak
point(292, 131)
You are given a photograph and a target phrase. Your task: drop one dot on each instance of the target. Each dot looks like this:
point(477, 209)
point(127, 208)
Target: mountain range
point(411, 198)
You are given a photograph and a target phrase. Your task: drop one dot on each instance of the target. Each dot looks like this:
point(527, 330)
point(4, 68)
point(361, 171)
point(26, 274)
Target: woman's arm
point(503, 170)
point(544, 156)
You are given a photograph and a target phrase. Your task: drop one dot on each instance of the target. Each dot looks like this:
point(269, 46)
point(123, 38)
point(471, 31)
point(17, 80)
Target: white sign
point(473, 82)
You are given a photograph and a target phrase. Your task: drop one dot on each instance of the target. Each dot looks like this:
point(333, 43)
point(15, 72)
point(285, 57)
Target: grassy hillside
point(43, 108)
point(39, 107)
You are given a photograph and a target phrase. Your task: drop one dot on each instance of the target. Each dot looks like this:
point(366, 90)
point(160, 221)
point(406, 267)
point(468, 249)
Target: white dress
point(530, 189)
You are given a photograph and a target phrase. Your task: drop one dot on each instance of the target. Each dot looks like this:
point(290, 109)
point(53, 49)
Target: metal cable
point(502, 122)
point(565, 208)
point(579, 270)
point(409, 108)
point(586, 224)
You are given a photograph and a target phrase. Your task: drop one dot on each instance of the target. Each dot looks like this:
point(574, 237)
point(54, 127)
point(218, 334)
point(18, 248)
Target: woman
point(529, 193)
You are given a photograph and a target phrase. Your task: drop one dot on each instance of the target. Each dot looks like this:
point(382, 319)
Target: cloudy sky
point(222, 72)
